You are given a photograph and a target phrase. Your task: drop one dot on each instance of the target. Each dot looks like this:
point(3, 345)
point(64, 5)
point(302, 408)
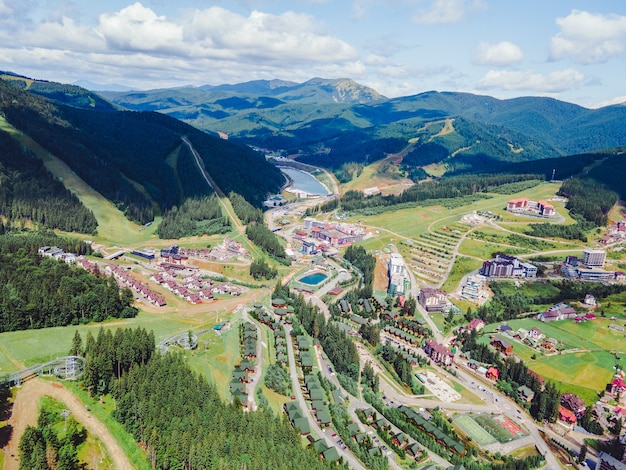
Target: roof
point(331, 454)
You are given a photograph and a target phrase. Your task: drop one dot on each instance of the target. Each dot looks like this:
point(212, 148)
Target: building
point(560, 311)
point(525, 205)
point(433, 300)
point(525, 393)
point(476, 324)
point(608, 462)
point(396, 264)
point(573, 403)
point(508, 266)
point(503, 346)
point(398, 280)
point(594, 258)
point(475, 288)
point(438, 352)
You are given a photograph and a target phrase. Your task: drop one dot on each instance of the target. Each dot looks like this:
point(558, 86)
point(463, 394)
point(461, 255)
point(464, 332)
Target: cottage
point(476, 324)
point(525, 393)
point(573, 402)
point(566, 415)
point(502, 346)
point(492, 373)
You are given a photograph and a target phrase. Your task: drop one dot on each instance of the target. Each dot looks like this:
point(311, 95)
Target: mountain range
point(331, 122)
point(144, 162)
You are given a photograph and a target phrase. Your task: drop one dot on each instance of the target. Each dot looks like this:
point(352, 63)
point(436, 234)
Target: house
point(535, 333)
point(566, 415)
point(525, 393)
point(560, 311)
point(492, 373)
point(414, 450)
point(590, 301)
point(573, 402)
point(608, 462)
point(400, 439)
point(617, 386)
point(476, 324)
point(502, 346)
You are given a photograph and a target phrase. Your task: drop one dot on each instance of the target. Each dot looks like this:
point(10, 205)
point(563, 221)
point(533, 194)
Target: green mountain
point(327, 126)
point(138, 160)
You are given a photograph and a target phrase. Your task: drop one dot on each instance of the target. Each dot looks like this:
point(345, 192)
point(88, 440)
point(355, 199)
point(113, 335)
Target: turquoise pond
point(312, 279)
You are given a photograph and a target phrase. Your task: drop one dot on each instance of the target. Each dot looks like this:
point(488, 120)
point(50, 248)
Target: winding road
point(25, 411)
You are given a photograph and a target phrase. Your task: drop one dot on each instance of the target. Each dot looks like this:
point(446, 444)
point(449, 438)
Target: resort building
point(594, 258)
point(525, 205)
point(508, 266)
point(475, 288)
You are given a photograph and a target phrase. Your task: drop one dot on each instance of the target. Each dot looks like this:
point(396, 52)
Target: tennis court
point(474, 430)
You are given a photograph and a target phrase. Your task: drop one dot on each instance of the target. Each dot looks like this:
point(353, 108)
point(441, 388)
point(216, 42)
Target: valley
point(367, 316)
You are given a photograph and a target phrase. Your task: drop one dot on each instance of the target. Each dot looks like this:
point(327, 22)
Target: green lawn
point(474, 430)
point(586, 364)
point(216, 357)
point(31, 347)
point(462, 266)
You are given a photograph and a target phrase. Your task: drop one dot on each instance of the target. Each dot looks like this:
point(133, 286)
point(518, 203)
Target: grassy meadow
point(586, 363)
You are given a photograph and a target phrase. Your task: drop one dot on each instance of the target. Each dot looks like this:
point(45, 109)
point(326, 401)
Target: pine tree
point(77, 345)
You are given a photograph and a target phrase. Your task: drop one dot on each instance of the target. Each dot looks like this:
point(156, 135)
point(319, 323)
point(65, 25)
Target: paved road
point(258, 371)
point(295, 384)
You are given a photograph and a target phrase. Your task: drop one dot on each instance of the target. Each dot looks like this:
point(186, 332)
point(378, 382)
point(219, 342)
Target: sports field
point(500, 427)
point(474, 430)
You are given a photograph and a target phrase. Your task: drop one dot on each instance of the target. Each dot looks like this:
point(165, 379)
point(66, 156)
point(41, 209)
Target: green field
point(474, 430)
point(585, 365)
point(31, 347)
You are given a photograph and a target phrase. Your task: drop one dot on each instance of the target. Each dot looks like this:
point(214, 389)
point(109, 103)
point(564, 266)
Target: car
point(384, 397)
point(330, 370)
point(384, 447)
point(334, 435)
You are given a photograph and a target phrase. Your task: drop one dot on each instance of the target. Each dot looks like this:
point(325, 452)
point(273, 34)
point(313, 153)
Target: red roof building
point(566, 415)
point(492, 373)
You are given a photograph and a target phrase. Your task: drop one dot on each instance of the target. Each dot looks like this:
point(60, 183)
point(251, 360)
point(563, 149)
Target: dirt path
point(25, 413)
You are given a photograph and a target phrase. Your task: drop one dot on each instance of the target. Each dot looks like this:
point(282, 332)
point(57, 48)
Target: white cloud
point(554, 82)
point(448, 11)
point(589, 38)
point(501, 54)
point(214, 44)
point(137, 28)
point(5, 10)
point(617, 100)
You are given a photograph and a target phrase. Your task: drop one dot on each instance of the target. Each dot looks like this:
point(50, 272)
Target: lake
point(304, 182)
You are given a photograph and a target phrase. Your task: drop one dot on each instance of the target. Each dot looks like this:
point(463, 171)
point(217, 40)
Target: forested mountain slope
point(472, 131)
point(136, 159)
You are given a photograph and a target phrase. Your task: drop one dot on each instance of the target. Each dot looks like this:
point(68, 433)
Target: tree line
point(38, 292)
point(109, 355)
point(366, 263)
point(116, 151)
point(30, 193)
point(182, 423)
point(513, 374)
point(339, 348)
point(195, 217)
point(264, 238)
point(45, 447)
point(445, 188)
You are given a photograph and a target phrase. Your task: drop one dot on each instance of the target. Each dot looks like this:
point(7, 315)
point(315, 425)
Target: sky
point(569, 50)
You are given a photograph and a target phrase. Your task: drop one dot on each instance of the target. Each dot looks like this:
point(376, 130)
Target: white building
point(594, 258)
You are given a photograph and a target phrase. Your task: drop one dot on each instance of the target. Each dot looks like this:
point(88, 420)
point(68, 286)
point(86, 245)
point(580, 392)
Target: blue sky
point(570, 50)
